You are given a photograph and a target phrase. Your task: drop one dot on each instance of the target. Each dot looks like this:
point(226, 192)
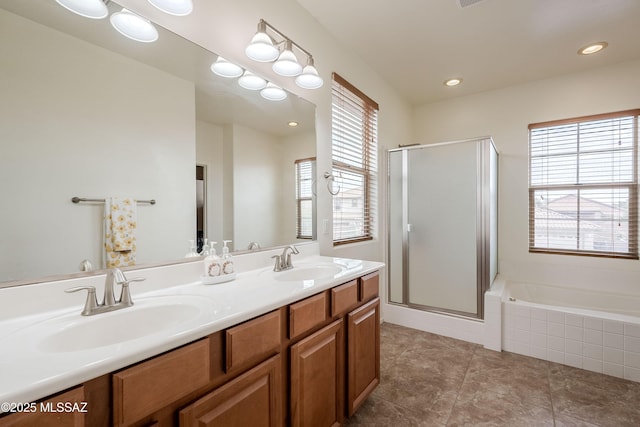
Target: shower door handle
point(408, 228)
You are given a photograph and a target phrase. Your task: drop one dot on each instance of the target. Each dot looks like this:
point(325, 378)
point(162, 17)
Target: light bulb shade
point(174, 7)
point(261, 48)
point(94, 9)
point(224, 68)
point(251, 81)
point(134, 26)
point(287, 64)
point(309, 79)
point(273, 92)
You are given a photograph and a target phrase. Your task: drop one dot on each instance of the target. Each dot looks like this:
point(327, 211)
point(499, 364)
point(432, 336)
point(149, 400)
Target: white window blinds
point(354, 153)
point(305, 171)
point(583, 186)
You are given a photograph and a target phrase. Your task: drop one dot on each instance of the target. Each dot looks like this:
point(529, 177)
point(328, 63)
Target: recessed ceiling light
point(592, 48)
point(293, 124)
point(453, 82)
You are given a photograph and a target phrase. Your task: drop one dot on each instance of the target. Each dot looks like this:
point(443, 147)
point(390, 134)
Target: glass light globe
point(174, 7)
point(94, 9)
point(134, 26)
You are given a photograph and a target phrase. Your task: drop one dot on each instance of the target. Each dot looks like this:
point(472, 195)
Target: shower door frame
point(483, 224)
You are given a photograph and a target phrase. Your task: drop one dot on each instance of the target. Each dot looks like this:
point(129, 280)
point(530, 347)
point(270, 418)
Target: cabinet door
point(317, 378)
point(363, 350)
point(253, 399)
point(46, 413)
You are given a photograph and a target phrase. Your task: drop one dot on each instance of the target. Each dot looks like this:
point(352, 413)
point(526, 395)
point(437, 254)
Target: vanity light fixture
point(251, 81)
point(287, 64)
point(592, 48)
point(280, 50)
point(224, 68)
point(134, 26)
point(453, 82)
point(309, 79)
point(273, 92)
point(174, 7)
point(262, 47)
point(94, 9)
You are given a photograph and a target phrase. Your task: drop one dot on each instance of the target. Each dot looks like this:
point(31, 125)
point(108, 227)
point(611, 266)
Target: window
point(355, 163)
point(305, 171)
point(583, 186)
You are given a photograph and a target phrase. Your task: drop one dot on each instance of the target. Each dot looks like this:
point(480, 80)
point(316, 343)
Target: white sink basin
point(316, 272)
point(147, 317)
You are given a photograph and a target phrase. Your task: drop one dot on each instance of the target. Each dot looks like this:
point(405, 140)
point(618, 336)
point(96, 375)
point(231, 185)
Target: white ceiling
point(417, 44)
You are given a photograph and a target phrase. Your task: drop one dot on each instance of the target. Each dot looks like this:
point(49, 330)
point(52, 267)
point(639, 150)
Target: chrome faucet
point(109, 302)
point(283, 261)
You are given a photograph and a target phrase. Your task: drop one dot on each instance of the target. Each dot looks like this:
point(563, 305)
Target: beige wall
point(505, 114)
point(260, 177)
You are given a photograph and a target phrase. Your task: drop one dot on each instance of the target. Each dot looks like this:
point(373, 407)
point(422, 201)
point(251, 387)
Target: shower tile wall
point(599, 345)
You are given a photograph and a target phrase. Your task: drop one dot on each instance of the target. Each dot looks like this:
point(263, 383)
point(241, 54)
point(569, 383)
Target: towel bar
point(80, 199)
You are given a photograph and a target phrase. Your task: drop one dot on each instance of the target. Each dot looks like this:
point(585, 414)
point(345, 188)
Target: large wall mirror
point(86, 112)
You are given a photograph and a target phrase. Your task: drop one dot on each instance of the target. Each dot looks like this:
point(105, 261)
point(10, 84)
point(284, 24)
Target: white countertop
point(28, 373)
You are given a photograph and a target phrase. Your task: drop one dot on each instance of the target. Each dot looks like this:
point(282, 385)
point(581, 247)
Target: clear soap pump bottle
point(227, 259)
point(192, 250)
point(212, 265)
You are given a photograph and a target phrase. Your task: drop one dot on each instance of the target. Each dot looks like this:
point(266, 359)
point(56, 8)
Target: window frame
point(300, 199)
point(344, 92)
point(631, 185)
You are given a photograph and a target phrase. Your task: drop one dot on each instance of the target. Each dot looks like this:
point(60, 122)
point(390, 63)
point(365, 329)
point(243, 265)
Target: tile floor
point(430, 380)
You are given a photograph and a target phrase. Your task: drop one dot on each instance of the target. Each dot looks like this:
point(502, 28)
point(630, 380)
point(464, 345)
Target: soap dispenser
point(192, 250)
point(227, 259)
point(206, 249)
point(212, 265)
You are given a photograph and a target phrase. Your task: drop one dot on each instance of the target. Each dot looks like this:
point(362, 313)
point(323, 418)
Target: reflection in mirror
point(86, 112)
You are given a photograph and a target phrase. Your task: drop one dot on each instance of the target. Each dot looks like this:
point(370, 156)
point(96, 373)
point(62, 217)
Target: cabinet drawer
point(369, 286)
point(307, 314)
point(145, 388)
point(253, 340)
point(344, 297)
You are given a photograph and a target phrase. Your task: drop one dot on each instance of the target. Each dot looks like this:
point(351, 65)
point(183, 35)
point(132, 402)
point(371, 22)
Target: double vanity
point(294, 347)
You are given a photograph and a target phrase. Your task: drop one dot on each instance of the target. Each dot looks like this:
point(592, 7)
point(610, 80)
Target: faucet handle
point(91, 303)
point(277, 266)
point(125, 294)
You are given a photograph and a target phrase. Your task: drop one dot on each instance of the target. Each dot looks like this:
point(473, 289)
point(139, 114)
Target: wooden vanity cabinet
point(310, 363)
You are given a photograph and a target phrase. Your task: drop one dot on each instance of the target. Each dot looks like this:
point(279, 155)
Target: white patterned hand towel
point(119, 231)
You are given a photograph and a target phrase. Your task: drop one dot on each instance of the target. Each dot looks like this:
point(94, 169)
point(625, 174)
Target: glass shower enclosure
point(443, 222)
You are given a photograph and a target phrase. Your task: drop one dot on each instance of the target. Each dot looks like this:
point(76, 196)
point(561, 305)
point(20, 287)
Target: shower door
point(439, 218)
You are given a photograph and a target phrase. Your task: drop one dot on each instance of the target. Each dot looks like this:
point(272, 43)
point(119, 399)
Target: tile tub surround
point(583, 341)
point(430, 380)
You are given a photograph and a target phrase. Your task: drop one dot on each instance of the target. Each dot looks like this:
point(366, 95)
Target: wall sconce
point(264, 48)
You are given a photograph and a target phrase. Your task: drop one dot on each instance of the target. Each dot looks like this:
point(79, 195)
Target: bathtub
point(591, 330)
